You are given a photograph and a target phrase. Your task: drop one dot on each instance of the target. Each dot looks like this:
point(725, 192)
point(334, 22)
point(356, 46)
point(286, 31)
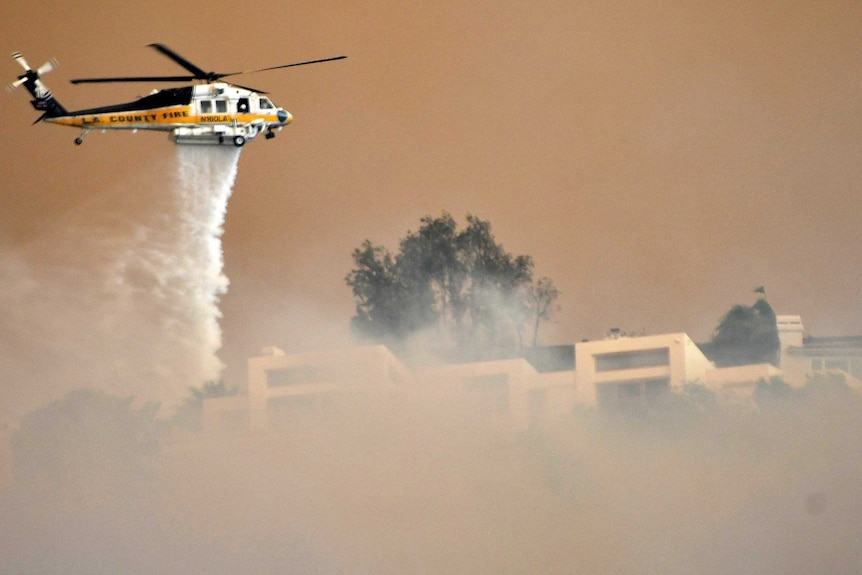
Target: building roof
point(828, 346)
point(551, 358)
point(544, 358)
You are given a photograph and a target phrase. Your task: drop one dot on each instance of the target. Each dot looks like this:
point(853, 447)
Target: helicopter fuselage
point(217, 113)
point(208, 112)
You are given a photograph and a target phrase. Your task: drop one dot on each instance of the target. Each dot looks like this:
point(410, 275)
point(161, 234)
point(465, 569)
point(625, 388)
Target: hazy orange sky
point(658, 159)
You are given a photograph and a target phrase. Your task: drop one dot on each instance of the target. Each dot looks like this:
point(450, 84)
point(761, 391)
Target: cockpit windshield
point(265, 104)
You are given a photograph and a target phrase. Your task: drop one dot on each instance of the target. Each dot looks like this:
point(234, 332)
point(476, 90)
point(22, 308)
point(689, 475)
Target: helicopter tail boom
point(43, 100)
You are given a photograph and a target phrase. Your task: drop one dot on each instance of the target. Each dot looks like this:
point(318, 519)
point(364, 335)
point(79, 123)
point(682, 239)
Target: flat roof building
point(622, 372)
point(619, 372)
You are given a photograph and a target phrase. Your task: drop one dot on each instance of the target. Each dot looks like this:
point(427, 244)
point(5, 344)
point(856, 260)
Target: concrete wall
point(313, 378)
point(798, 363)
point(684, 363)
point(508, 393)
point(736, 384)
point(790, 331)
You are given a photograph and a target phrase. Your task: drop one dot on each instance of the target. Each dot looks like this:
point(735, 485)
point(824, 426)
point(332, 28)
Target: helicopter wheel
point(270, 134)
point(238, 141)
point(79, 141)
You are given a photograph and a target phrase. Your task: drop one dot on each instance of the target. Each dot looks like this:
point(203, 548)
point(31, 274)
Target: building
point(504, 393)
point(790, 331)
point(803, 356)
point(286, 388)
point(737, 384)
point(618, 372)
point(622, 372)
point(824, 355)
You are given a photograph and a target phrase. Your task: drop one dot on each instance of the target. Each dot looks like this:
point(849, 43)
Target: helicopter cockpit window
point(206, 107)
point(221, 106)
point(265, 104)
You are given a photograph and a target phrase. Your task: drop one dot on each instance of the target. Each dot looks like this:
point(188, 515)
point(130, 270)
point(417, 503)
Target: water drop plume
point(122, 293)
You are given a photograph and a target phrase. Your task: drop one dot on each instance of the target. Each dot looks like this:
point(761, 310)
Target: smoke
point(122, 294)
point(427, 487)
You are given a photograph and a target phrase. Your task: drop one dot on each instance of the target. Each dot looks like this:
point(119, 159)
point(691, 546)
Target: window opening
point(633, 359)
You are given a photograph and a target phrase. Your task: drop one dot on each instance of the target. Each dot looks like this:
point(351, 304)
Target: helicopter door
point(242, 106)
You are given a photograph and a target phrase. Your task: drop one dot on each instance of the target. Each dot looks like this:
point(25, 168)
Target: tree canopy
point(746, 335)
point(462, 283)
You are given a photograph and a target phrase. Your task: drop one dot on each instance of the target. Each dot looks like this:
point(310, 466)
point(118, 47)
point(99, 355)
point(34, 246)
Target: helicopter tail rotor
point(43, 100)
point(20, 59)
point(31, 75)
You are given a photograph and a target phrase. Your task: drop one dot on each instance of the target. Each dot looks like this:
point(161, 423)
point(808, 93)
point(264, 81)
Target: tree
point(540, 298)
point(429, 267)
point(746, 335)
point(390, 304)
point(462, 282)
point(772, 391)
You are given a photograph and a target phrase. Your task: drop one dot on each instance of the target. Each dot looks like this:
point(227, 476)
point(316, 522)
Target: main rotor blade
point(134, 79)
point(199, 74)
point(284, 66)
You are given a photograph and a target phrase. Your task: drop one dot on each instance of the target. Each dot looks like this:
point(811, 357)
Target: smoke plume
point(122, 294)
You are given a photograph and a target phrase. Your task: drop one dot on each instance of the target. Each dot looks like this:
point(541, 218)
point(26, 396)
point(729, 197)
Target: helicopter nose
point(284, 117)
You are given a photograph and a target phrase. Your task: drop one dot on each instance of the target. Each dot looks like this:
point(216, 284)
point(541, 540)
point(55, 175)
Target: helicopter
point(207, 112)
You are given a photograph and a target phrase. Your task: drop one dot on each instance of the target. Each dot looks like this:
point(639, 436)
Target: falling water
point(122, 294)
